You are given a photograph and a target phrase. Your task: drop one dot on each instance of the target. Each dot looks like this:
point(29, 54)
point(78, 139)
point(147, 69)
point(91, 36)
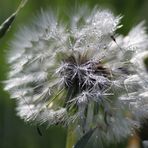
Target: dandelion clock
point(82, 75)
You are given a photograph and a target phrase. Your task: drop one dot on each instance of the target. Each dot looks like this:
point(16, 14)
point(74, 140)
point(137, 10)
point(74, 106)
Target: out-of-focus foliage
point(13, 131)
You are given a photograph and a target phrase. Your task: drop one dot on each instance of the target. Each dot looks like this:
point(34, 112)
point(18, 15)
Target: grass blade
point(4, 27)
point(84, 140)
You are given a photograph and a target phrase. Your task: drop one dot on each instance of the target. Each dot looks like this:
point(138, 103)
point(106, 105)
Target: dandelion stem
point(71, 137)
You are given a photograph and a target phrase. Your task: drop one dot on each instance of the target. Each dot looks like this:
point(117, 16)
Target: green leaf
point(4, 27)
point(84, 140)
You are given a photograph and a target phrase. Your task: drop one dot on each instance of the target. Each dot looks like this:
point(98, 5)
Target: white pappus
point(75, 74)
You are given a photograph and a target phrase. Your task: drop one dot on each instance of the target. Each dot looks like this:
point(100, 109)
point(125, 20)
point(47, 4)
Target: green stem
point(71, 137)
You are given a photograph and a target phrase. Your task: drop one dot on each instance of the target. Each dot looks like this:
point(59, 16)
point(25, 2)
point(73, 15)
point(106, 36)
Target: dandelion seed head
point(77, 74)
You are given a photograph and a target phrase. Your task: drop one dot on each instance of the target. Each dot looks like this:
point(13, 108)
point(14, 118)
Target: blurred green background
point(13, 131)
